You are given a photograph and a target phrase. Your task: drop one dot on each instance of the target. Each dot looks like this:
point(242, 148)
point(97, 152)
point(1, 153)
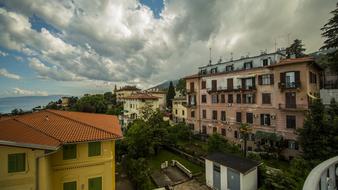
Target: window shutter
point(268, 120)
point(11, 163)
point(297, 76)
point(282, 77)
point(244, 98)
point(262, 119)
point(260, 82)
point(296, 146)
point(243, 83)
point(254, 98)
point(272, 80)
point(253, 81)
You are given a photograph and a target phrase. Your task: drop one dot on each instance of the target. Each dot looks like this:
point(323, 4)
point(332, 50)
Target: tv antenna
point(209, 56)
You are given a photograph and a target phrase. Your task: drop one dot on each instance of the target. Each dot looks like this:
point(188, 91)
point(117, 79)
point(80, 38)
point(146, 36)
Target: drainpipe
point(37, 168)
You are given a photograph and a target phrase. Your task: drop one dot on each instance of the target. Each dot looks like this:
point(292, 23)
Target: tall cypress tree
point(170, 95)
point(330, 32)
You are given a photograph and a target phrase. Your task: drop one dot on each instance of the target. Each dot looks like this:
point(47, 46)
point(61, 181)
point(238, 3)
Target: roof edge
point(28, 145)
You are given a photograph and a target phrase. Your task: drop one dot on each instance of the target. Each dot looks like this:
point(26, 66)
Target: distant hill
point(164, 85)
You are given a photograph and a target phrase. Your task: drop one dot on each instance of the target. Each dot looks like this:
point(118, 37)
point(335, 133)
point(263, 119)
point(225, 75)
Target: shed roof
point(242, 165)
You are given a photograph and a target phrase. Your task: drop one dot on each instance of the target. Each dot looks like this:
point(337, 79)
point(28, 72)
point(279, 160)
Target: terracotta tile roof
point(142, 96)
point(293, 61)
point(50, 126)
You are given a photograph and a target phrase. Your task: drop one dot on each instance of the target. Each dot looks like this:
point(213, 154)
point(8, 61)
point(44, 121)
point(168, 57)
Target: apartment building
point(161, 95)
point(58, 150)
point(179, 110)
point(125, 91)
point(135, 103)
point(269, 92)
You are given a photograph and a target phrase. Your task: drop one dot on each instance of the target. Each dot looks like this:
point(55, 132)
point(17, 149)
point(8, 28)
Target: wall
point(19, 180)
point(250, 180)
point(83, 167)
point(134, 106)
point(181, 110)
point(224, 177)
point(327, 94)
point(209, 173)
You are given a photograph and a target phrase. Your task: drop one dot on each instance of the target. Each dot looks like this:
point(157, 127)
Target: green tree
point(245, 131)
point(330, 32)
point(17, 111)
point(181, 86)
point(296, 48)
point(217, 143)
point(138, 171)
point(179, 132)
point(319, 136)
point(92, 104)
point(170, 95)
point(110, 97)
point(115, 109)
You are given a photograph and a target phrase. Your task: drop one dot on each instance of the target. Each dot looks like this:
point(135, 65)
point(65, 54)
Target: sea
point(26, 103)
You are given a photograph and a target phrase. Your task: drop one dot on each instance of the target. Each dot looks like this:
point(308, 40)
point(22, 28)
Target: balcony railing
point(323, 176)
point(293, 106)
point(190, 91)
point(289, 85)
point(225, 89)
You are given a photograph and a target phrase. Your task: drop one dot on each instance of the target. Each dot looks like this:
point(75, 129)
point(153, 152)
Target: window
point(265, 119)
point(203, 71)
point(94, 148)
point(69, 151)
point(236, 134)
point(191, 100)
point(222, 98)
point(213, 70)
point(238, 98)
point(229, 68)
point(69, 185)
point(204, 114)
point(265, 79)
point(290, 79)
point(16, 162)
point(230, 84)
point(183, 112)
point(95, 183)
point(214, 85)
point(248, 98)
point(249, 118)
point(214, 129)
point(292, 145)
point(313, 77)
point(214, 114)
point(223, 116)
point(204, 84)
point(290, 121)
point(248, 65)
point(214, 98)
point(265, 62)
point(204, 98)
point(238, 117)
point(176, 112)
point(230, 98)
point(266, 98)
point(290, 100)
point(204, 129)
point(248, 83)
point(192, 113)
point(192, 87)
point(223, 132)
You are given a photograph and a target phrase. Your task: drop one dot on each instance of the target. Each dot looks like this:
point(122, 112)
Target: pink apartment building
point(269, 92)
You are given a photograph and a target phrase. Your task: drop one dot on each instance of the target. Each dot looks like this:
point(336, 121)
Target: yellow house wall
point(18, 180)
point(83, 167)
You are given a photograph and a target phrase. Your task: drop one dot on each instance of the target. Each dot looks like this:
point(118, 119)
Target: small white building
point(229, 172)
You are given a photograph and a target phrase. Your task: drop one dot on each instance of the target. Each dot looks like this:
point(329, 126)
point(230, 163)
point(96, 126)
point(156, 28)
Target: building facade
point(58, 150)
point(179, 110)
point(268, 92)
point(136, 103)
point(162, 97)
point(125, 91)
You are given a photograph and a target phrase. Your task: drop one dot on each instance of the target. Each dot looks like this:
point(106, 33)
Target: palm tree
point(245, 131)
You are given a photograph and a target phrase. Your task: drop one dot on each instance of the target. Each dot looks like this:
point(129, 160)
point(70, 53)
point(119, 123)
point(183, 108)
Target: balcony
point(289, 85)
point(191, 91)
point(224, 89)
point(323, 176)
point(293, 107)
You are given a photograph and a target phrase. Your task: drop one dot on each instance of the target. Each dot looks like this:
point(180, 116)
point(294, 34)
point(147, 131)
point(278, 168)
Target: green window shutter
point(69, 151)
point(95, 183)
point(16, 162)
point(94, 149)
point(69, 185)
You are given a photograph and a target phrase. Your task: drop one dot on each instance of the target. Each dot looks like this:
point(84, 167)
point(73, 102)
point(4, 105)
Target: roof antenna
point(231, 56)
point(209, 56)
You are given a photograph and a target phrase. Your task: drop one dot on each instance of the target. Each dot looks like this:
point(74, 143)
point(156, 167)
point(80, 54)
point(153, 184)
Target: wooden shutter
point(268, 120)
point(95, 183)
point(253, 81)
point(272, 80)
point(260, 81)
point(243, 83)
point(262, 119)
point(297, 77)
point(230, 83)
point(94, 148)
point(69, 185)
point(244, 98)
point(282, 78)
point(253, 98)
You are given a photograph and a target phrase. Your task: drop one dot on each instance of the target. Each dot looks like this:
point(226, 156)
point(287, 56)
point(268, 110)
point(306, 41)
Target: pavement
point(191, 185)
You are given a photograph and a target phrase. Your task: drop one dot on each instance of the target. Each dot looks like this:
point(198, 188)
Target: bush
point(138, 172)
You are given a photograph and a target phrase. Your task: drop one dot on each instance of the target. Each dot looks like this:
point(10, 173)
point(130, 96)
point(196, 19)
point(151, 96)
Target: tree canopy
point(296, 49)
point(92, 104)
point(181, 86)
point(170, 95)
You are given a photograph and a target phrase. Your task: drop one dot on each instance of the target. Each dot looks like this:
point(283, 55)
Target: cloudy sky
point(84, 46)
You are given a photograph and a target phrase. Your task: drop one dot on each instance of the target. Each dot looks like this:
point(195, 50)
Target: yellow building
point(125, 92)
point(134, 104)
point(58, 150)
point(179, 110)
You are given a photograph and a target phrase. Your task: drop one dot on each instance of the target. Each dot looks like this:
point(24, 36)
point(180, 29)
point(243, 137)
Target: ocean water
point(25, 103)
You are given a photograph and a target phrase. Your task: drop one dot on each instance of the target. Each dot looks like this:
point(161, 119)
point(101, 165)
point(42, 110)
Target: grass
point(278, 164)
point(164, 155)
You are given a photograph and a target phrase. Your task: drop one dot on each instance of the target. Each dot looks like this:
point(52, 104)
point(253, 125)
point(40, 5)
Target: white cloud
point(121, 41)
point(4, 54)
point(25, 92)
point(5, 73)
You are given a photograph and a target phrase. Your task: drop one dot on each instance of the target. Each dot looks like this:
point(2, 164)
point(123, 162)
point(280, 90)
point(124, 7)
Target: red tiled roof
point(50, 126)
point(142, 96)
point(293, 61)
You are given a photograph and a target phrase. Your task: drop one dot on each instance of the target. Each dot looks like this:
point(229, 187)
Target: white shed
point(229, 172)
